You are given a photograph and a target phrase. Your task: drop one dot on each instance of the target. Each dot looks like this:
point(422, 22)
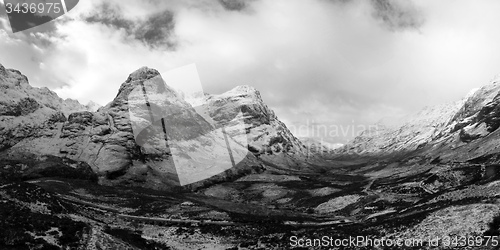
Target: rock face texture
point(26, 111)
point(267, 137)
point(148, 135)
point(460, 131)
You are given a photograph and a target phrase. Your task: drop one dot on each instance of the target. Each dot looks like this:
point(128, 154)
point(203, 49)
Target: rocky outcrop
point(23, 107)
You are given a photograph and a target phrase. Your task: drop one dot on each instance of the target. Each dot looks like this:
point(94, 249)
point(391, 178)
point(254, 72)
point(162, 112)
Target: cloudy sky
point(341, 63)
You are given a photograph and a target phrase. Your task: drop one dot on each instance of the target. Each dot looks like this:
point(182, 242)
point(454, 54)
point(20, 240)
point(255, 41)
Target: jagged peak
point(477, 98)
point(242, 90)
point(71, 100)
point(142, 73)
point(137, 77)
point(14, 77)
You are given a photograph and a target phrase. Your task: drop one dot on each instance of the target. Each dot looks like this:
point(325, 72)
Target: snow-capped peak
point(242, 90)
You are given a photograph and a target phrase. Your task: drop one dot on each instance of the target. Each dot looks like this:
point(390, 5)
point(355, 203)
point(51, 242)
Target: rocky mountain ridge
point(24, 109)
point(109, 140)
point(461, 130)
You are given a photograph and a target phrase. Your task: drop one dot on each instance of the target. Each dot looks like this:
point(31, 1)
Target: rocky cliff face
point(454, 132)
point(267, 137)
point(148, 135)
point(25, 111)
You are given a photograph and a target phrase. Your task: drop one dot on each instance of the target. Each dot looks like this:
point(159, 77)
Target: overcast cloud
point(335, 62)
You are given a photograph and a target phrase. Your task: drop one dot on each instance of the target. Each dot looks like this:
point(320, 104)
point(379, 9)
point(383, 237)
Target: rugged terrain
point(72, 178)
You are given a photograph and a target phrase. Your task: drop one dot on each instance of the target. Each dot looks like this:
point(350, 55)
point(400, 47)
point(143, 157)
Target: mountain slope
point(473, 131)
point(416, 130)
point(459, 131)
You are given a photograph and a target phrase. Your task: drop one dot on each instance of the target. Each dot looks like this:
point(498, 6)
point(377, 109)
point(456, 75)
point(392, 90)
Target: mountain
point(149, 135)
point(456, 131)
point(268, 137)
point(26, 111)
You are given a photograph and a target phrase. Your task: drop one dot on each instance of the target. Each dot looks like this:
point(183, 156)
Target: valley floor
point(442, 205)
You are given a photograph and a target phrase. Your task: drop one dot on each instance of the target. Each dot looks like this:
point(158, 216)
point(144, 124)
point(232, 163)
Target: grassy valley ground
point(406, 199)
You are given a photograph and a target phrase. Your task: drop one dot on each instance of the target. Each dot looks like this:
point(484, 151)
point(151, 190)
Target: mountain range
point(36, 122)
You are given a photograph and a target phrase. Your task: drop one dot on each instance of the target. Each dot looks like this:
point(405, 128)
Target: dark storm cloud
point(234, 5)
point(397, 15)
point(110, 15)
point(155, 30)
